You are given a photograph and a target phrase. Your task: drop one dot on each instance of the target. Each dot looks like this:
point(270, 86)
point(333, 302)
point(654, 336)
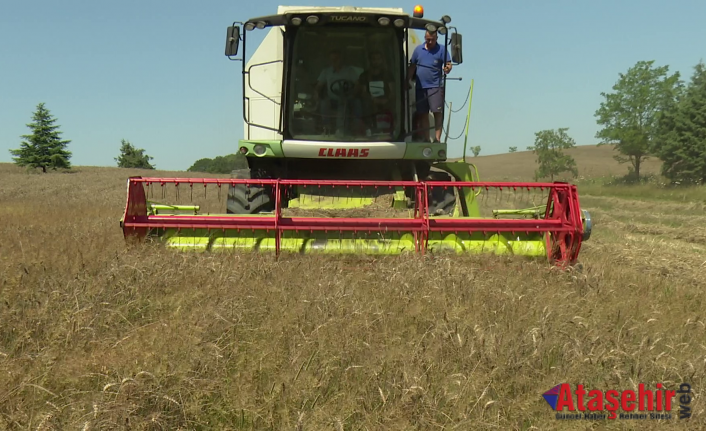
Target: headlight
point(427, 152)
point(259, 149)
point(442, 154)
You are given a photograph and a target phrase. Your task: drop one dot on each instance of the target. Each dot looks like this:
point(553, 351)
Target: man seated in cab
point(342, 94)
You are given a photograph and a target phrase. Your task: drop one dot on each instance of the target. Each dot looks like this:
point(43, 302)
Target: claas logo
point(342, 152)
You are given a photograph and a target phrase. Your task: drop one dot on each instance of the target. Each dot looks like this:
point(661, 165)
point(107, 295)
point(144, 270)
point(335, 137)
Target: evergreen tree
point(131, 157)
point(682, 146)
point(43, 148)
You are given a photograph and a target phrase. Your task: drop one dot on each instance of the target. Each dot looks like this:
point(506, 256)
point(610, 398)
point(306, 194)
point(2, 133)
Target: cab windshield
point(345, 84)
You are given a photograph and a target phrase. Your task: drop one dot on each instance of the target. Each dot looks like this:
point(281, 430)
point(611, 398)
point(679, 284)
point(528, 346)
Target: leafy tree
point(682, 143)
point(131, 157)
point(548, 147)
point(220, 164)
point(513, 149)
point(476, 151)
point(43, 148)
point(630, 114)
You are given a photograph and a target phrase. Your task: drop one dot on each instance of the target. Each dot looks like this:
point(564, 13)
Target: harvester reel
point(557, 236)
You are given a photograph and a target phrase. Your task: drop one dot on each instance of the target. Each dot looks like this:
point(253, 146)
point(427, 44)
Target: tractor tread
point(244, 199)
point(441, 201)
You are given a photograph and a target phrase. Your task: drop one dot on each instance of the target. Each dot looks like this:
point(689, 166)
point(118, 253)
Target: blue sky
point(154, 73)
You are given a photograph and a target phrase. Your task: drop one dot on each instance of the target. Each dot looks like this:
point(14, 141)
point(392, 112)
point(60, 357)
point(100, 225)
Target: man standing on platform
point(427, 63)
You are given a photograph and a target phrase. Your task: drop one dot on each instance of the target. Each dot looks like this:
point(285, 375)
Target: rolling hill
point(592, 160)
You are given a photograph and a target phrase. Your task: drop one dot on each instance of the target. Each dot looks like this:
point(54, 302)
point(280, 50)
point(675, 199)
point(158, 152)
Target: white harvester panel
point(263, 87)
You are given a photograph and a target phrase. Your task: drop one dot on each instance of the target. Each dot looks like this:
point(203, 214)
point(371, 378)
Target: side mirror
point(232, 40)
point(457, 48)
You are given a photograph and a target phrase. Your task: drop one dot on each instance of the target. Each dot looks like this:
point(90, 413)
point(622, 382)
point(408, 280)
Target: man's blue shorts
point(430, 99)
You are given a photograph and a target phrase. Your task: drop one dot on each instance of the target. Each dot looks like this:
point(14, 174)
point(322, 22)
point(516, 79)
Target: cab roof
point(341, 9)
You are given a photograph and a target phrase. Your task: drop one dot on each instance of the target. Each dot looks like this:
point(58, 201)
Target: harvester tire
point(248, 199)
point(442, 201)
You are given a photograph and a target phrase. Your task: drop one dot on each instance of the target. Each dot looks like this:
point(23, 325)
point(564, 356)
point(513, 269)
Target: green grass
point(655, 190)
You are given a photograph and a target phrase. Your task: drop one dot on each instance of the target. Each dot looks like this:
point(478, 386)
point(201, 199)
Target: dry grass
point(97, 335)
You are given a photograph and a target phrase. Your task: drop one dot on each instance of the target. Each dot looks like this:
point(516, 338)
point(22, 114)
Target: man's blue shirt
point(430, 64)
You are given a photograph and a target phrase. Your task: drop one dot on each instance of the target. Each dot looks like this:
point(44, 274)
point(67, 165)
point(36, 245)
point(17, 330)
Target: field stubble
point(98, 335)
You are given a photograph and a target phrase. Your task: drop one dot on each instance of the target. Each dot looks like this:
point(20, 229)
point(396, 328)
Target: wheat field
point(99, 335)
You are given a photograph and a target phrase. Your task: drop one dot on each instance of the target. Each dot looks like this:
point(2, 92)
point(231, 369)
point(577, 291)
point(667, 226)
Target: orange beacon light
point(418, 11)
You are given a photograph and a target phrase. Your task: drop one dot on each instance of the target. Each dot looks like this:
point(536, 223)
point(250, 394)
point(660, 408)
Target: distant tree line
point(220, 164)
point(44, 148)
point(650, 113)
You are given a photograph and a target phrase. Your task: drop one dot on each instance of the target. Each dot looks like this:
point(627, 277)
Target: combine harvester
point(338, 167)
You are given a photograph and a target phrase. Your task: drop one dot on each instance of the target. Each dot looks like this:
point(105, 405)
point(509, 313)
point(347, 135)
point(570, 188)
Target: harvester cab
point(326, 93)
point(341, 157)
